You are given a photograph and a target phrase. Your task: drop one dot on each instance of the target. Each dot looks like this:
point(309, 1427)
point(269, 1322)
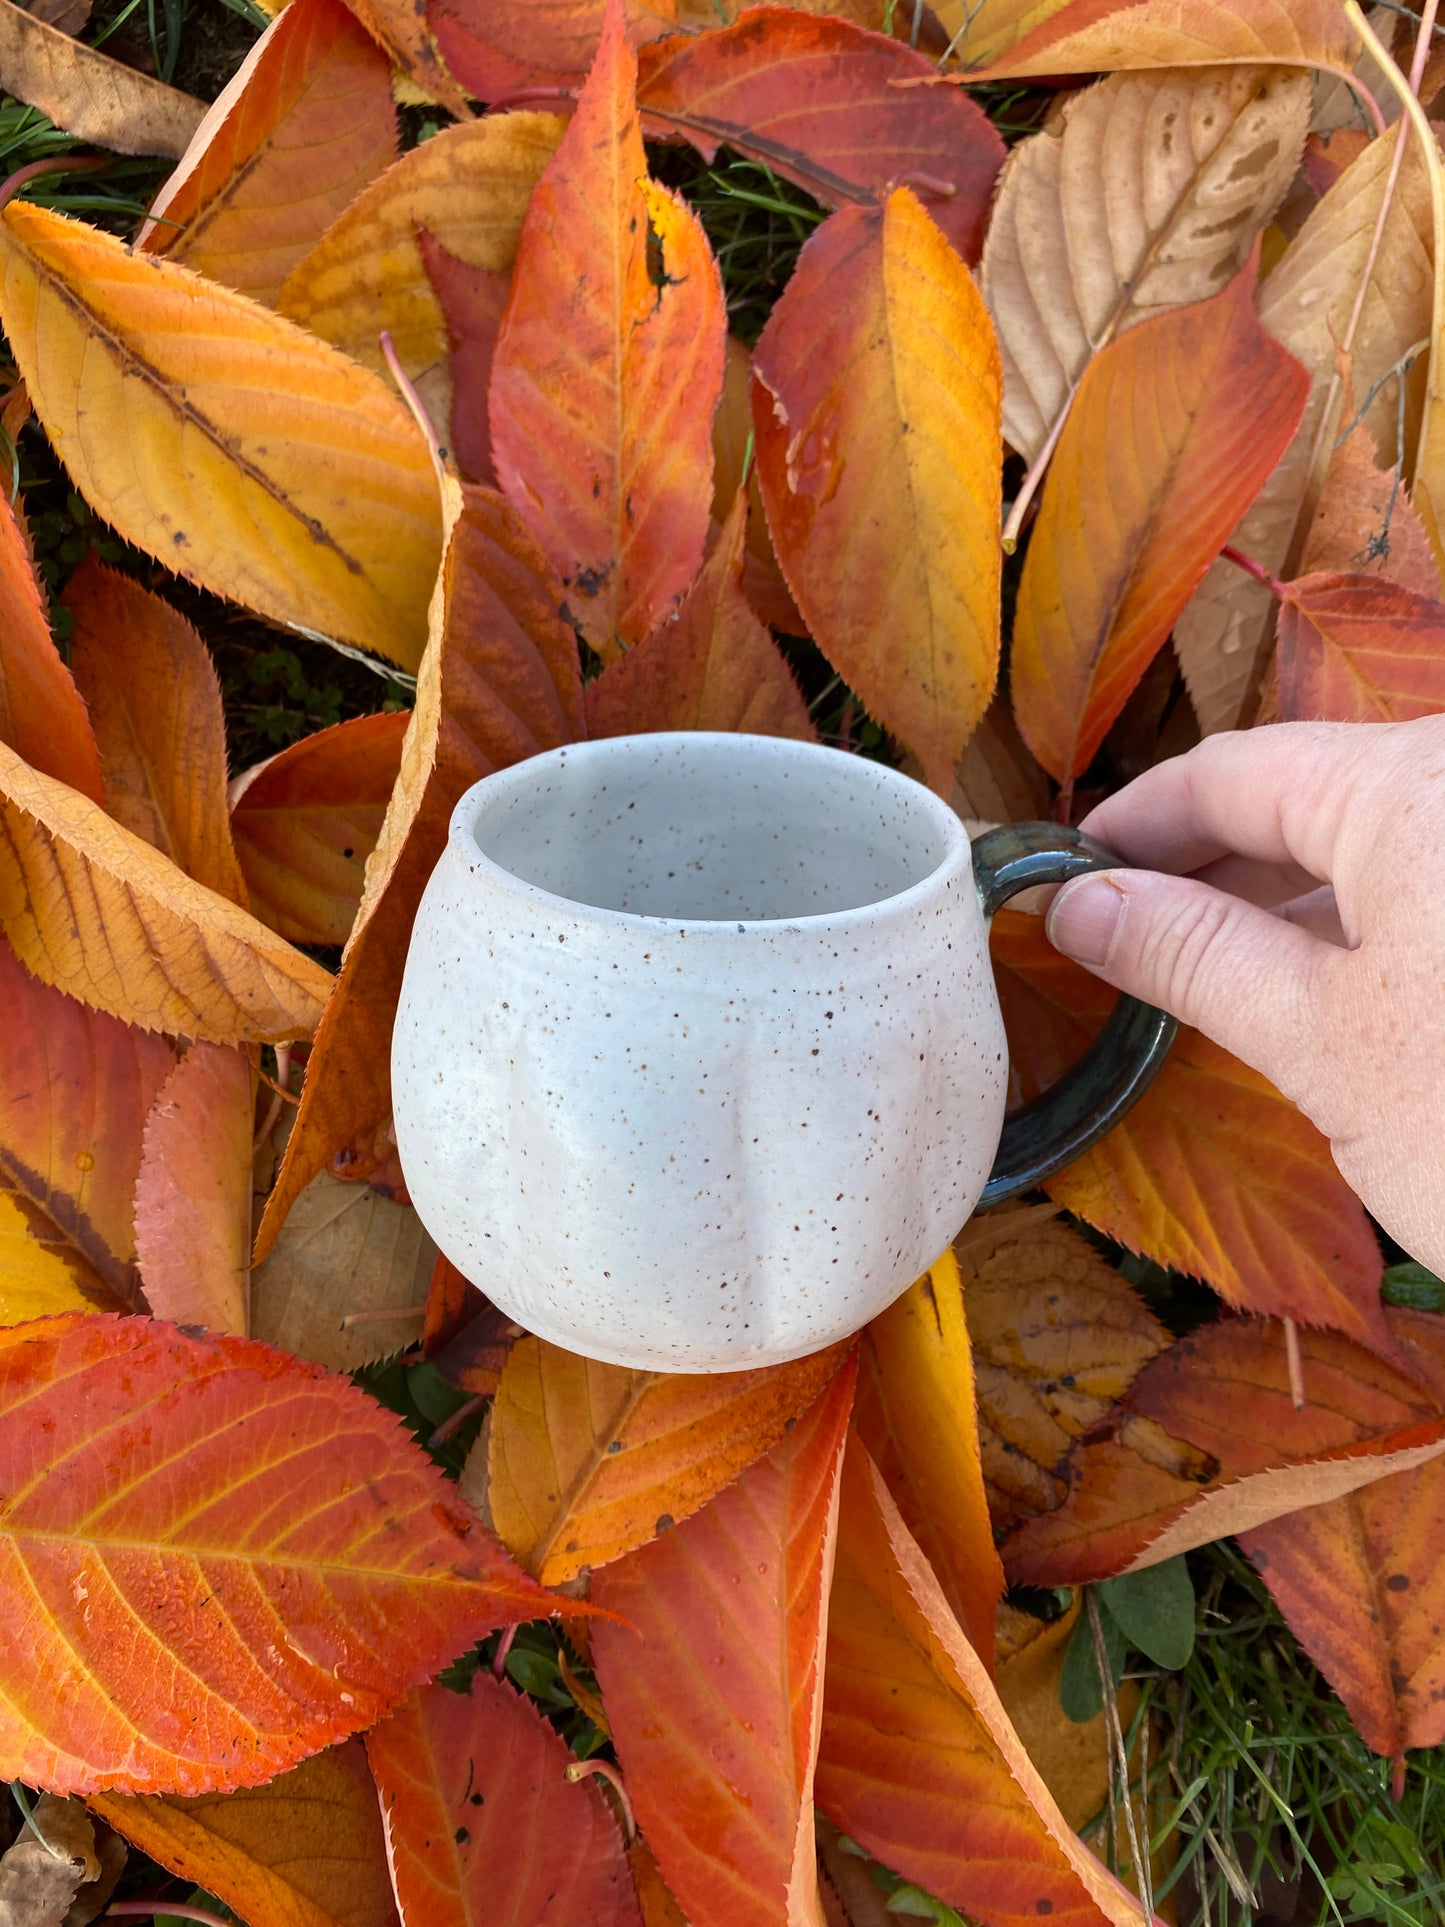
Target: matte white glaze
point(698, 1061)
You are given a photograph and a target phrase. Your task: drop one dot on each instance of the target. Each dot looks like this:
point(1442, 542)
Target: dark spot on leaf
point(1398, 1582)
point(665, 1522)
point(615, 1445)
point(462, 1837)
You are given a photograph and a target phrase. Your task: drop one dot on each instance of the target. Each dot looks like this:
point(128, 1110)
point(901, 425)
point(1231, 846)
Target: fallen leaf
point(1365, 522)
point(475, 1357)
point(876, 408)
point(1144, 194)
point(917, 1414)
point(733, 464)
point(473, 301)
point(172, 1498)
point(979, 30)
point(997, 781)
point(305, 822)
point(90, 908)
point(155, 706)
point(42, 715)
point(587, 1460)
point(654, 1898)
point(918, 1761)
point(343, 1249)
point(712, 1678)
point(1213, 1172)
point(87, 93)
point(304, 124)
point(712, 666)
point(193, 1194)
point(39, 1878)
point(602, 408)
point(405, 30)
point(1058, 1337)
point(468, 188)
point(1307, 303)
point(500, 681)
point(823, 104)
point(1208, 1441)
point(501, 45)
point(1354, 649)
point(451, 1305)
point(276, 471)
point(69, 15)
point(1175, 427)
point(1073, 1757)
point(1098, 36)
point(75, 1090)
point(305, 1850)
point(482, 1823)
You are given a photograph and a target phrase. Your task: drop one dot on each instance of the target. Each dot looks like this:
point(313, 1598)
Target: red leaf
point(712, 1686)
point(1355, 649)
point(473, 300)
point(305, 822)
point(214, 1559)
point(496, 46)
point(1213, 1172)
point(714, 667)
point(1208, 1441)
point(1175, 427)
point(919, 1762)
point(42, 716)
point(482, 1824)
point(608, 368)
point(827, 105)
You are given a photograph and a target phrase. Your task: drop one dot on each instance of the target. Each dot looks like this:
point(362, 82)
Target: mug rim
point(461, 834)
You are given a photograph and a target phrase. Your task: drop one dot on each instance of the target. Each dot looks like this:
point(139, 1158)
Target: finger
point(1247, 979)
point(1263, 883)
point(1278, 795)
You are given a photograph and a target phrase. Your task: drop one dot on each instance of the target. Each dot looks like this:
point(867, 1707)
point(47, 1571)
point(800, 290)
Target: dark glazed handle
point(1118, 1066)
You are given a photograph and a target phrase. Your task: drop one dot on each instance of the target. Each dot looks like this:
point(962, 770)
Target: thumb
point(1245, 978)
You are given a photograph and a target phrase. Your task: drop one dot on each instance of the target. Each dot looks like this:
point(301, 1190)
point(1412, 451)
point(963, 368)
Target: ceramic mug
point(699, 1062)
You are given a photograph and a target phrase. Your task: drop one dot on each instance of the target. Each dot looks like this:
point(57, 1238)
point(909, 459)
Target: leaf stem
point(56, 164)
point(1296, 1364)
point(458, 1419)
point(1251, 567)
point(604, 1769)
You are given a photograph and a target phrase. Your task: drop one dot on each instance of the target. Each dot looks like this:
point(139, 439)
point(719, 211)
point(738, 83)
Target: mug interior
point(705, 827)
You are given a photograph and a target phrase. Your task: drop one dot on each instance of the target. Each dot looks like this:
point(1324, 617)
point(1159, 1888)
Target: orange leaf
point(602, 405)
point(876, 408)
point(919, 1762)
point(495, 46)
point(588, 1460)
point(1208, 1441)
point(1354, 649)
point(305, 1850)
point(1365, 521)
point(451, 1304)
point(829, 107)
point(155, 705)
point(1058, 1336)
point(1105, 36)
point(917, 1414)
point(41, 714)
point(482, 1825)
point(1175, 427)
point(473, 300)
point(713, 667)
point(214, 1559)
point(713, 1686)
point(500, 681)
point(305, 822)
point(1361, 1581)
point(732, 455)
point(193, 1195)
point(1213, 1172)
point(75, 1089)
point(302, 127)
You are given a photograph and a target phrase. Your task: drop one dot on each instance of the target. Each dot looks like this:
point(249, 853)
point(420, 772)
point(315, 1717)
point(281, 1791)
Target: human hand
point(1290, 903)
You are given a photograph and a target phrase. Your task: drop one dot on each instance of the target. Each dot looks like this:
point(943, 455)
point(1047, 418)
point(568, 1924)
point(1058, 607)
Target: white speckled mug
point(699, 1061)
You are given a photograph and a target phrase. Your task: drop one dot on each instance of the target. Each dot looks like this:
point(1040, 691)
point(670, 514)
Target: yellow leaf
point(100, 914)
point(984, 30)
point(221, 438)
point(1084, 38)
point(38, 1273)
point(89, 94)
point(468, 187)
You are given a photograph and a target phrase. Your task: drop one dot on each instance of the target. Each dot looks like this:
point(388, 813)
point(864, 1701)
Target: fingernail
point(1084, 916)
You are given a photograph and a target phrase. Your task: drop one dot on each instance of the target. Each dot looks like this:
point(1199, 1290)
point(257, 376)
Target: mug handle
point(1117, 1068)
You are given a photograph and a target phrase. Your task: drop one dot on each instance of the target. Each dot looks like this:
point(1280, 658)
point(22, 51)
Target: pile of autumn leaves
point(219, 1560)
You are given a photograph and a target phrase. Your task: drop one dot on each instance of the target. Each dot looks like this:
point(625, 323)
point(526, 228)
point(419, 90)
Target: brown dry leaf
point(69, 15)
point(89, 94)
point(1099, 36)
point(343, 1249)
point(1072, 1757)
point(1306, 304)
point(193, 1195)
point(1057, 1337)
point(155, 706)
point(217, 436)
point(468, 187)
point(1365, 522)
point(997, 780)
point(299, 130)
point(917, 1413)
point(1145, 193)
point(42, 714)
point(500, 681)
point(39, 1879)
point(103, 916)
